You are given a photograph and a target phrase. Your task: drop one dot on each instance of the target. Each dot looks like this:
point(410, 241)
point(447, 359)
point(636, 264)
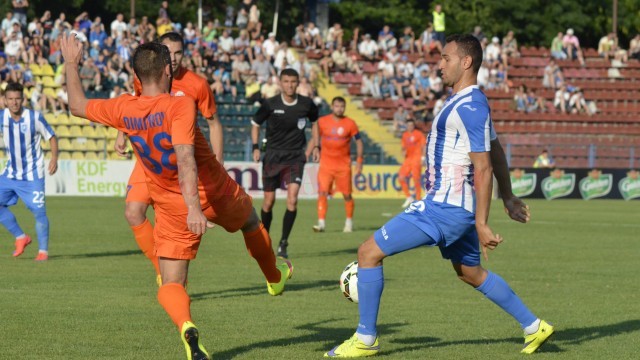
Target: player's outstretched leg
point(536, 331)
point(258, 243)
point(370, 285)
point(135, 213)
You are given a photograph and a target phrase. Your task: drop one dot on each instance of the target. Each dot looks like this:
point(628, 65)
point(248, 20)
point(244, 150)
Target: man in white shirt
point(368, 49)
point(118, 27)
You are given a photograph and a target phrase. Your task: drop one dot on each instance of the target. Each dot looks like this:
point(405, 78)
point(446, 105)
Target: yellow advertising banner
point(379, 182)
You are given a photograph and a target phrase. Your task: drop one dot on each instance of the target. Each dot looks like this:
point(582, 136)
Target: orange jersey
point(335, 139)
point(189, 84)
point(413, 143)
point(154, 125)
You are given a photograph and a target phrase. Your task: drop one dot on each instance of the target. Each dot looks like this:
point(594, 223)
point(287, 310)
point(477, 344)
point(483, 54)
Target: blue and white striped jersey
point(25, 160)
point(462, 126)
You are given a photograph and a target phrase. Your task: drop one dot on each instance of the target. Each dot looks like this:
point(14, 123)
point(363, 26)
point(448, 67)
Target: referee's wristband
point(256, 147)
point(318, 147)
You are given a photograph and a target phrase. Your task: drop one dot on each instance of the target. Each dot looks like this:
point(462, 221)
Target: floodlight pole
point(615, 18)
point(200, 14)
point(132, 8)
point(275, 18)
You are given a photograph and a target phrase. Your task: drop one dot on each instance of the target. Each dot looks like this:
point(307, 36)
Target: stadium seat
point(62, 131)
point(49, 92)
point(91, 155)
point(64, 144)
point(77, 155)
point(36, 70)
point(47, 82)
point(75, 131)
point(64, 155)
point(63, 119)
point(90, 145)
point(89, 131)
point(47, 70)
point(51, 118)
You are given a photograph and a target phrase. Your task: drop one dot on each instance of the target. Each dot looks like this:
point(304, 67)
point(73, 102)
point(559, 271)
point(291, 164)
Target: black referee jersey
point(286, 122)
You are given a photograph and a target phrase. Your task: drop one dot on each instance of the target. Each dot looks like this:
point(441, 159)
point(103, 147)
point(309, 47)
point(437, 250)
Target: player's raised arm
point(71, 49)
point(514, 207)
point(188, 179)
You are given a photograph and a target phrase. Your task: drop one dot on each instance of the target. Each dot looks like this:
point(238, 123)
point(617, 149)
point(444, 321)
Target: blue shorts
point(30, 192)
point(424, 223)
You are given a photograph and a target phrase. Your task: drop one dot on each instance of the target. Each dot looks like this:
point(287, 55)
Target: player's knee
point(369, 254)
point(292, 203)
point(135, 215)
point(347, 197)
point(40, 215)
point(252, 222)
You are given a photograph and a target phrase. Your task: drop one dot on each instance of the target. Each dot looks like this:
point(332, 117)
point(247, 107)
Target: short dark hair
point(149, 61)
point(173, 37)
point(338, 99)
point(468, 45)
point(289, 72)
point(14, 86)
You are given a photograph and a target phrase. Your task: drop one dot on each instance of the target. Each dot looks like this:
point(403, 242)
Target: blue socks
point(9, 221)
point(370, 286)
point(42, 229)
point(498, 291)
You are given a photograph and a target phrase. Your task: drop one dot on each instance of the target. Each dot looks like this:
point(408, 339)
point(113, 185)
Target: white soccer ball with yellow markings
point(349, 282)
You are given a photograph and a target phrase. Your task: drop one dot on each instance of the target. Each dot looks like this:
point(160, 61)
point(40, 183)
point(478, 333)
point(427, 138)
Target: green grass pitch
point(575, 265)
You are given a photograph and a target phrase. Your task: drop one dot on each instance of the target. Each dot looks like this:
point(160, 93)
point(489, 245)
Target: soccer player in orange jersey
point(413, 146)
point(185, 83)
point(336, 132)
point(188, 186)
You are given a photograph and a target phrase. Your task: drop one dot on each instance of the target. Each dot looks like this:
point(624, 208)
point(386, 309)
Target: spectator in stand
point(544, 161)
point(509, 47)
point(386, 38)
point(520, 99)
point(225, 42)
point(493, 52)
point(535, 102)
point(62, 98)
point(163, 12)
point(634, 47)
point(368, 48)
point(304, 69)
point(146, 31)
point(89, 75)
point(334, 37)
point(483, 75)
point(578, 104)
point(299, 39)
point(242, 44)
point(404, 67)
point(393, 56)
point(571, 47)
point(407, 40)
point(242, 20)
point(115, 92)
point(241, 70)
point(342, 61)
point(7, 24)
point(13, 45)
point(270, 46)
point(439, 105)
point(421, 85)
point(283, 54)
point(553, 76)
point(561, 99)
point(189, 34)
point(305, 89)
point(400, 118)
point(132, 27)
point(439, 23)
point(270, 88)
point(477, 33)
point(313, 37)
point(608, 48)
point(427, 44)
point(403, 86)
point(254, 17)
point(163, 26)
point(435, 83)
point(371, 85)
point(97, 34)
point(387, 66)
point(387, 88)
point(118, 27)
point(222, 82)
point(557, 47)
point(262, 69)
point(20, 11)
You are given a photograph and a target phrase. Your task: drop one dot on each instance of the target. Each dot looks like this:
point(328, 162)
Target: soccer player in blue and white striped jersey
point(463, 155)
point(23, 177)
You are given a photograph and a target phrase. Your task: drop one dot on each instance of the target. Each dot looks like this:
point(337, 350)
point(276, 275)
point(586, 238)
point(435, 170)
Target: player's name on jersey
point(144, 123)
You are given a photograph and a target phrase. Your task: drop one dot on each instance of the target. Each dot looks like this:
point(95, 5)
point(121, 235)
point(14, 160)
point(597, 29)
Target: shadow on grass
point(562, 337)
point(325, 338)
point(97, 255)
point(261, 290)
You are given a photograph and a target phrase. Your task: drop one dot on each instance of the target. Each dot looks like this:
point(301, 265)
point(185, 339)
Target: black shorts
point(282, 166)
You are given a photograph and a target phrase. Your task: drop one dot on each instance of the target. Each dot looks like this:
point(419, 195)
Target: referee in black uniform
point(286, 116)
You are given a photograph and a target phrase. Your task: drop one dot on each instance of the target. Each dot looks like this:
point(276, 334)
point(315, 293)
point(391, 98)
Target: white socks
point(532, 328)
point(367, 339)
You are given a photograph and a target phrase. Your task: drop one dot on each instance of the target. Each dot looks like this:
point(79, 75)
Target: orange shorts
point(137, 190)
point(413, 168)
point(223, 202)
point(341, 176)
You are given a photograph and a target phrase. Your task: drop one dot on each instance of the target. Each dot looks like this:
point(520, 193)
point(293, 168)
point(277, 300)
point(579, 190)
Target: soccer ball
point(349, 282)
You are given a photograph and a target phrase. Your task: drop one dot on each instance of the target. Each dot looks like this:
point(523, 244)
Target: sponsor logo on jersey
point(179, 93)
point(558, 184)
point(278, 111)
point(630, 186)
point(596, 185)
point(469, 107)
point(384, 233)
point(302, 122)
point(23, 128)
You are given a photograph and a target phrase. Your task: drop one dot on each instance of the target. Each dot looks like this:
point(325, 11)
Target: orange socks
point(144, 237)
point(175, 301)
point(349, 207)
point(417, 183)
point(258, 244)
point(322, 207)
point(404, 184)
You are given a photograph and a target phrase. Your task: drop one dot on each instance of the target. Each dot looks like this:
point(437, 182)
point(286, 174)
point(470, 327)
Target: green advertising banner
point(595, 185)
point(522, 183)
point(558, 185)
point(630, 186)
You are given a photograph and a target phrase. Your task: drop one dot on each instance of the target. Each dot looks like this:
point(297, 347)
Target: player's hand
point(358, 169)
point(487, 239)
point(315, 153)
point(196, 221)
point(121, 144)
point(71, 48)
point(53, 167)
point(256, 155)
point(517, 209)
